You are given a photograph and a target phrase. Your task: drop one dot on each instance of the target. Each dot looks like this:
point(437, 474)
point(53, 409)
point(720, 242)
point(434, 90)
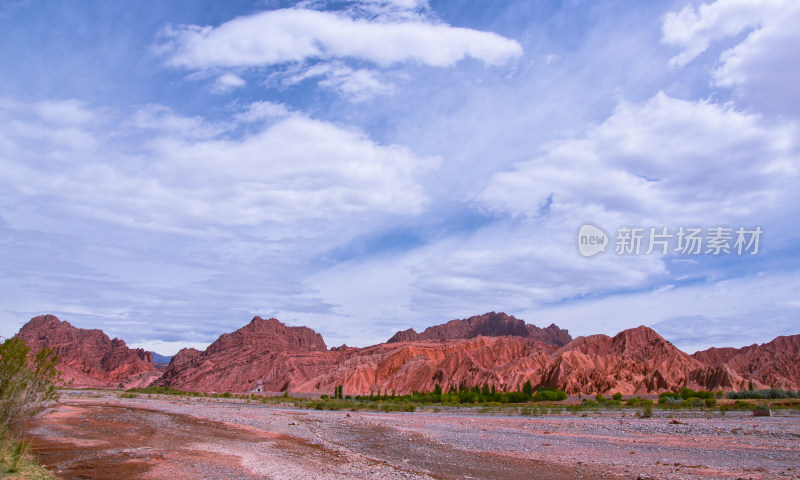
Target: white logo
point(591, 240)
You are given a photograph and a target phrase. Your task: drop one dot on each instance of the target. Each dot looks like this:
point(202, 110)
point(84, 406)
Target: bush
point(617, 396)
point(600, 398)
point(647, 412)
point(546, 395)
point(639, 402)
point(767, 394)
point(25, 386)
point(527, 389)
point(687, 393)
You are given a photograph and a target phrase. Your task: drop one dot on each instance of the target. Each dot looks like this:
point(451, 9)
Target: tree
point(527, 389)
point(437, 390)
point(25, 385)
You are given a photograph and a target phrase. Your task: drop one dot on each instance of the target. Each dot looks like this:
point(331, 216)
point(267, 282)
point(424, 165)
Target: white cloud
point(294, 35)
point(65, 112)
point(763, 67)
point(357, 84)
point(665, 160)
point(161, 119)
point(189, 176)
point(259, 111)
point(694, 29)
point(228, 82)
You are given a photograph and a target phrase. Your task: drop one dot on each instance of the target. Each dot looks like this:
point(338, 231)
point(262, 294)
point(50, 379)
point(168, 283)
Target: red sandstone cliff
point(88, 357)
point(634, 361)
point(773, 364)
point(266, 355)
point(488, 325)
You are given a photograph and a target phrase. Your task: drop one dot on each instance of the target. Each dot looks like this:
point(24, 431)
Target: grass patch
point(17, 463)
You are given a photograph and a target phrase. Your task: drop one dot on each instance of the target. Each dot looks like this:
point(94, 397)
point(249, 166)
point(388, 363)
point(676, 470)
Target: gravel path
point(213, 438)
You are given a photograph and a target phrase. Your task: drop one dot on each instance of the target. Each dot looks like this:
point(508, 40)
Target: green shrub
point(14, 455)
point(639, 402)
point(26, 384)
point(547, 395)
point(766, 394)
point(617, 396)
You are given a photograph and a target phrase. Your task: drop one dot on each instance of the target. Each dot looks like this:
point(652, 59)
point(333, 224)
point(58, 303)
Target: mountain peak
point(270, 335)
point(87, 357)
point(490, 324)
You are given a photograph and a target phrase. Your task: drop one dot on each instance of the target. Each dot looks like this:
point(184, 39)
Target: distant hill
point(162, 359)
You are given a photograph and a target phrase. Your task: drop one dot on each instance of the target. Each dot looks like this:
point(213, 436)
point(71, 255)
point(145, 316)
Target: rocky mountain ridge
point(266, 355)
point(488, 325)
point(89, 358)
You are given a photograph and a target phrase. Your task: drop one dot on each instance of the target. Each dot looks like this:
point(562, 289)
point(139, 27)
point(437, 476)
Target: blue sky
point(170, 169)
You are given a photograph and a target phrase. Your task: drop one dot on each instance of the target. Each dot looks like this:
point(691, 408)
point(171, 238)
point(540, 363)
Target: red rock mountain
point(489, 325)
point(270, 335)
point(635, 361)
point(250, 356)
point(88, 357)
point(266, 355)
point(775, 364)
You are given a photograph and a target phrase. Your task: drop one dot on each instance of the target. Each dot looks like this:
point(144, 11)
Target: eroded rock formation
point(88, 357)
point(488, 325)
point(492, 349)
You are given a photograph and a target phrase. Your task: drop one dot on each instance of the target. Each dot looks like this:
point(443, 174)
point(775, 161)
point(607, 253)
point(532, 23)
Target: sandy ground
point(98, 436)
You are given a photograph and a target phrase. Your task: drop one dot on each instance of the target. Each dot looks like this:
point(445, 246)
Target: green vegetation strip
point(526, 401)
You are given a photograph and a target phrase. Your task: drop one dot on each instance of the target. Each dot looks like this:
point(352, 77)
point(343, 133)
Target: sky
point(168, 170)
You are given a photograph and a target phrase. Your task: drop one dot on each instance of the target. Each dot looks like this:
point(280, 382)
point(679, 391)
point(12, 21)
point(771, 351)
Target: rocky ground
point(99, 435)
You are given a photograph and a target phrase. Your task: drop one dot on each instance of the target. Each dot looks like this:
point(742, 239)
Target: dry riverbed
point(97, 435)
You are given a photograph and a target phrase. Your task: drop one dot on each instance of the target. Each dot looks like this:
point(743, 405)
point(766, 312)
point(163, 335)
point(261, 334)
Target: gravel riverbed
point(99, 435)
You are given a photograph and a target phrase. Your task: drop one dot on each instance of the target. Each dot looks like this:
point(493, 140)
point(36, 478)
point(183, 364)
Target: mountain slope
point(88, 357)
point(773, 364)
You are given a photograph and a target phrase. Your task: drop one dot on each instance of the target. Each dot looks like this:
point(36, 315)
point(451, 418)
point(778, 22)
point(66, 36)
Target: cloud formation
point(654, 161)
point(763, 67)
point(289, 169)
point(295, 35)
point(371, 165)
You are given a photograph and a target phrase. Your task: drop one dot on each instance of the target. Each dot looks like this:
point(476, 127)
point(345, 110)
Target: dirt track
point(108, 437)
